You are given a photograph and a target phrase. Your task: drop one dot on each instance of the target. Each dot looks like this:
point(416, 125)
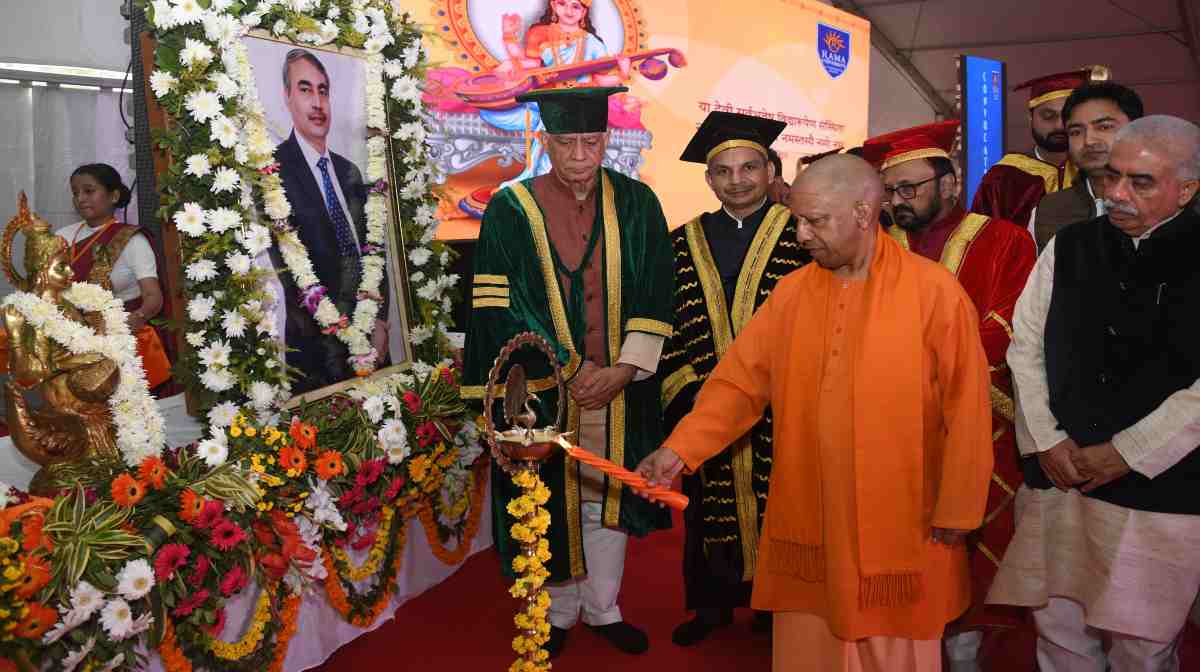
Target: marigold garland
point(173, 658)
point(370, 567)
point(339, 599)
point(254, 634)
point(532, 523)
point(287, 628)
point(474, 514)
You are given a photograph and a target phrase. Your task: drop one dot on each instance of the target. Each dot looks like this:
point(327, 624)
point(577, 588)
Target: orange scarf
point(887, 428)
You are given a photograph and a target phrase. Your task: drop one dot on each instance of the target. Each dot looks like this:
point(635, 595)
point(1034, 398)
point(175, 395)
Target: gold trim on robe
point(616, 408)
point(673, 384)
point(649, 326)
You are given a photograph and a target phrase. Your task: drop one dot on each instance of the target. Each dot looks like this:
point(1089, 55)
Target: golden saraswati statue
point(74, 419)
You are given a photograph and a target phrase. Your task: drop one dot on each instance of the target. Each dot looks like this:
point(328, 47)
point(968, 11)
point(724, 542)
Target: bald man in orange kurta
point(882, 437)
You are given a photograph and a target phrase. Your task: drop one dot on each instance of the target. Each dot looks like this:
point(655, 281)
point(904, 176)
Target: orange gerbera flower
point(292, 460)
point(152, 472)
point(36, 576)
point(190, 505)
point(127, 490)
point(329, 464)
point(31, 529)
point(304, 434)
point(37, 622)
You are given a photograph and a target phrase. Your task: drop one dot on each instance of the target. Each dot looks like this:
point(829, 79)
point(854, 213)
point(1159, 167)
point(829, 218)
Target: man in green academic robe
point(580, 256)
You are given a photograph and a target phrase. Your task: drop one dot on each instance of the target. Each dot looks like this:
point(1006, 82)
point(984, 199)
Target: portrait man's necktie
point(341, 225)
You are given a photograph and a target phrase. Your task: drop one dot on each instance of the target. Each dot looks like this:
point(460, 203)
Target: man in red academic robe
point(991, 258)
point(1012, 188)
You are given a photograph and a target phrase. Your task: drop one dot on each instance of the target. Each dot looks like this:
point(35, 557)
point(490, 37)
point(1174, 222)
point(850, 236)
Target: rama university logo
point(833, 49)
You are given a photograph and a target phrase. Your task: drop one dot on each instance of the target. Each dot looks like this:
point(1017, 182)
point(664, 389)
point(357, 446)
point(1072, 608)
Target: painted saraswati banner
point(798, 61)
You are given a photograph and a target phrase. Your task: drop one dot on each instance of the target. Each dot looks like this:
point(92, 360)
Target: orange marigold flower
point(190, 506)
point(152, 472)
point(127, 490)
point(329, 464)
point(37, 622)
point(36, 576)
point(292, 459)
point(304, 434)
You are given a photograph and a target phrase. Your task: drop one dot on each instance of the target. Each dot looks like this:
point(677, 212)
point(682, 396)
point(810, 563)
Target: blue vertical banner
point(981, 83)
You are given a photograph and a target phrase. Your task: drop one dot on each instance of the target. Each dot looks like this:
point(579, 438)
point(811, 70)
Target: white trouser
point(594, 595)
point(1067, 644)
point(963, 649)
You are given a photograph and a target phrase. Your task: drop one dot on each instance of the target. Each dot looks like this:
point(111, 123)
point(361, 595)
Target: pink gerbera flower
point(199, 572)
point(233, 581)
point(170, 558)
point(212, 514)
point(190, 603)
point(225, 535)
point(412, 401)
point(369, 472)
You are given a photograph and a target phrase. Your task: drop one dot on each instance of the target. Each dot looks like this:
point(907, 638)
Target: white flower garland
point(139, 425)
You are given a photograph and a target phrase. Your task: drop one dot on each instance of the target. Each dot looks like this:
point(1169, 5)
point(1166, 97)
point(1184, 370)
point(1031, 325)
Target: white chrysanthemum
point(224, 131)
point(164, 16)
point(200, 308)
point(214, 450)
point(361, 23)
point(419, 256)
point(135, 580)
point(262, 394)
point(221, 220)
point(226, 179)
point(190, 220)
point(195, 339)
point(239, 263)
point(240, 153)
point(219, 28)
point(393, 68)
point(195, 53)
point(412, 54)
point(162, 83)
point(197, 165)
point(430, 291)
point(333, 12)
point(394, 437)
point(419, 334)
point(374, 407)
point(234, 323)
point(221, 5)
point(86, 599)
point(215, 354)
point(203, 105)
point(406, 89)
point(187, 11)
point(257, 239)
point(201, 270)
point(222, 414)
point(280, 27)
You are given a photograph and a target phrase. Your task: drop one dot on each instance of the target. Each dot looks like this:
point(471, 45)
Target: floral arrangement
point(532, 522)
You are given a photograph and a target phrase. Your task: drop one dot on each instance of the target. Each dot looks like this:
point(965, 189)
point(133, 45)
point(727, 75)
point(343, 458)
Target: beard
point(915, 221)
point(1054, 142)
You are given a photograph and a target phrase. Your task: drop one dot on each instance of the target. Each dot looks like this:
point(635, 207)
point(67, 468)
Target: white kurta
point(1134, 572)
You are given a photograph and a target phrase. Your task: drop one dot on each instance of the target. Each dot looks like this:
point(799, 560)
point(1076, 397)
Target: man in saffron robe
point(581, 257)
point(1012, 188)
point(726, 264)
point(992, 259)
point(882, 460)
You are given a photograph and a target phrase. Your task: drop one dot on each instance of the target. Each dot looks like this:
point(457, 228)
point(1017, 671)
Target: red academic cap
point(918, 142)
point(1060, 85)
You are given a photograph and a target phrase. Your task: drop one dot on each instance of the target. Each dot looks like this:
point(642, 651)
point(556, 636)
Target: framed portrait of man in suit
point(315, 104)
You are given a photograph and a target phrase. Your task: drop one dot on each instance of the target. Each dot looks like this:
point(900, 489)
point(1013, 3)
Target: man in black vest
point(1106, 360)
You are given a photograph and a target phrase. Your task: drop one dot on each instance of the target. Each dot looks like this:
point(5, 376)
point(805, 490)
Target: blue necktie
point(341, 226)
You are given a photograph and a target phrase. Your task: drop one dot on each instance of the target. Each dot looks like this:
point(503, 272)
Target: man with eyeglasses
point(992, 259)
point(1012, 188)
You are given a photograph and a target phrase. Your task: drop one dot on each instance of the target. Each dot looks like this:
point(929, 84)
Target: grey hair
point(301, 54)
point(1174, 137)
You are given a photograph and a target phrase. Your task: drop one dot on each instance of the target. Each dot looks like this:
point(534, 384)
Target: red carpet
point(465, 623)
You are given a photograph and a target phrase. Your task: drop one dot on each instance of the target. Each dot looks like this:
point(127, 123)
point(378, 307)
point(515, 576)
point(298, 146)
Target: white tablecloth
point(320, 630)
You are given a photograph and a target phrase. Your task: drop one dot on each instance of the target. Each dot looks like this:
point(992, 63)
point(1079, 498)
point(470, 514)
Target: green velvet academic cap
point(573, 110)
point(724, 130)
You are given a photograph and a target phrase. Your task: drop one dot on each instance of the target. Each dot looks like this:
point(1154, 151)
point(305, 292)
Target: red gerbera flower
point(127, 491)
point(225, 535)
point(394, 489)
point(190, 506)
point(152, 472)
point(233, 581)
point(426, 434)
point(413, 402)
point(365, 540)
point(170, 558)
point(37, 621)
point(200, 571)
point(212, 513)
point(369, 472)
point(190, 603)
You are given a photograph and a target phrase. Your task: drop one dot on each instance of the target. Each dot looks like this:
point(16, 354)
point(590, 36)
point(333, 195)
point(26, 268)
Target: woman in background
point(119, 257)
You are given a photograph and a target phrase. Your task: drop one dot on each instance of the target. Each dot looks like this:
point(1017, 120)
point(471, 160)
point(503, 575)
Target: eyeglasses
point(907, 191)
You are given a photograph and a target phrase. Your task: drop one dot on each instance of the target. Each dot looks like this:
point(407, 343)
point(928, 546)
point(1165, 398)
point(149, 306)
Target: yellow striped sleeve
point(649, 326)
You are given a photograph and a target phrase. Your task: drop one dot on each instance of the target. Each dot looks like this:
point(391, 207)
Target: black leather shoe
point(762, 622)
point(699, 628)
point(624, 636)
point(554, 645)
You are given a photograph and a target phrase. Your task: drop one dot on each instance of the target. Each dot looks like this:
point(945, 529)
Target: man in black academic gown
point(726, 264)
